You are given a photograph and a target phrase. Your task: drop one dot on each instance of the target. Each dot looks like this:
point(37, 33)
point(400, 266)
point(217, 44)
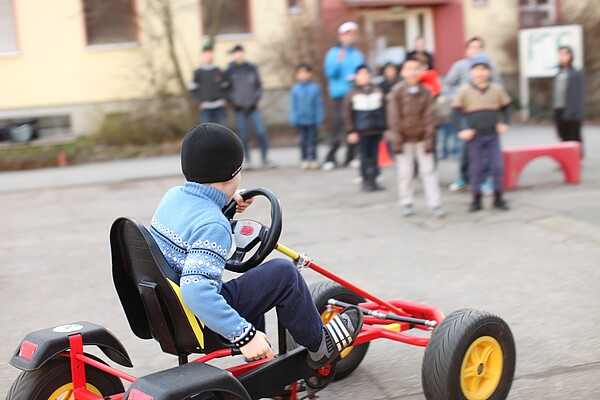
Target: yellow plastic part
point(287, 251)
point(66, 392)
point(190, 316)
point(481, 368)
point(394, 327)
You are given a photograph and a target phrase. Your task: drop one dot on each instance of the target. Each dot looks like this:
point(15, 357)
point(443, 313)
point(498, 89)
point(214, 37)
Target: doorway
point(391, 33)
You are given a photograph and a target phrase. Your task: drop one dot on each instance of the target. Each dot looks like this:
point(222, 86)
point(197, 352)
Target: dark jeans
point(276, 283)
point(241, 121)
point(481, 148)
point(446, 134)
point(213, 115)
point(568, 130)
point(337, 135)
point(308, 142)
point(368, 148)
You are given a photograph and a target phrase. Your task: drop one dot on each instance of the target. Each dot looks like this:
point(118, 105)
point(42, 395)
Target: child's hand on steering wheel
point(258, 348)
point(241, 204)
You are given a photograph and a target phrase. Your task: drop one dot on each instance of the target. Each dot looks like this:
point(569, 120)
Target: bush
point(162, 121)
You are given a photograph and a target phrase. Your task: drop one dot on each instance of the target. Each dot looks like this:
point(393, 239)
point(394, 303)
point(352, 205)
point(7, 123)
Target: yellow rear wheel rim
point(66, 392)
point(481, 368)
point(326, 316)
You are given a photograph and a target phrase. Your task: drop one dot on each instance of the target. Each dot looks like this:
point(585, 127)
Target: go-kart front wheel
point(321, 292)
point(53, 382)
point(471, 355)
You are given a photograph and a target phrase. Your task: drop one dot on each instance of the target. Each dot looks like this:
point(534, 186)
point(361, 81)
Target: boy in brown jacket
point(411, 130)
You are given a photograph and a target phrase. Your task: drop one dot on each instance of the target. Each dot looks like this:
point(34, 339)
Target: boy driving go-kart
point(169, 282)
point(195, 237)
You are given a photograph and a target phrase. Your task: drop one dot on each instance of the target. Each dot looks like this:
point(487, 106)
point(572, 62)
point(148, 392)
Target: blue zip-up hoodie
point(306, 104)
point(340, 73)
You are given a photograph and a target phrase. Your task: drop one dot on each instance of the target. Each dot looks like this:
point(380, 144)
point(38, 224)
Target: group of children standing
point(402, 111)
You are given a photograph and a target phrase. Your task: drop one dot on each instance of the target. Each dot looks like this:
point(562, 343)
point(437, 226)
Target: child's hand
point(466, 134)
point(501, 128)
point(241, 203)
point(353, 138)
point(258, 348)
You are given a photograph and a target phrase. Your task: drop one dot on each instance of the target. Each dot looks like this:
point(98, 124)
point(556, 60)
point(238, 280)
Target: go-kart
point(469, 354)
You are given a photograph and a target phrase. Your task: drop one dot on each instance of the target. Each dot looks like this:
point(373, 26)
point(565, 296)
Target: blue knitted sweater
point(195, 238)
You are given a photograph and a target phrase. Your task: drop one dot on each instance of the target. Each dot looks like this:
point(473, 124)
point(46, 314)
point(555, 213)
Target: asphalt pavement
point(536, 265)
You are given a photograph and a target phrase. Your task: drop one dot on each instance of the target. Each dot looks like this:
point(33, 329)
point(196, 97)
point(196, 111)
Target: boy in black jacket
point(364, 121)
point(208, 89)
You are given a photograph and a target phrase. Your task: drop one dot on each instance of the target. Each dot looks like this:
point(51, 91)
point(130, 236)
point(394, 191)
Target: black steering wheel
point(248, 233)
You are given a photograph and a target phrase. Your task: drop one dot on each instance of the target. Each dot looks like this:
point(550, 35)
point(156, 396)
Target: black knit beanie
point(211, 153)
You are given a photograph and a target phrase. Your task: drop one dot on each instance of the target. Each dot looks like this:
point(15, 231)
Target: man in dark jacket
point(244, 95)
point(208, 89)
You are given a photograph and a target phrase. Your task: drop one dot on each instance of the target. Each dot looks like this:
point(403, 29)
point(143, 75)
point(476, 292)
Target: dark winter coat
point(575, 101)
point(363, 110)
point(246, 87)
point(210, 84)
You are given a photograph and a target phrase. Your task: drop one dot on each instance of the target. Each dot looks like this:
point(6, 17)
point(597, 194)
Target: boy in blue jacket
point(195, 238)
point(306, 114)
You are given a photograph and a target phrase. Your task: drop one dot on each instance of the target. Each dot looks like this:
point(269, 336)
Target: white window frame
point(16, 52)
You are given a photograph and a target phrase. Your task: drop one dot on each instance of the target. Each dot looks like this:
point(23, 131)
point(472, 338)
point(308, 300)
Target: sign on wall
point(539, 49)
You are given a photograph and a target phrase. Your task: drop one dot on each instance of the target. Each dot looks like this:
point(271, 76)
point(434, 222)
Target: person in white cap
point(341, 62)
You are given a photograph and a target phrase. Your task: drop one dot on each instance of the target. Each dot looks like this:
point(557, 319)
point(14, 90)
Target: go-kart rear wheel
point(53, 382)
point(321, 292)
point(471, 355)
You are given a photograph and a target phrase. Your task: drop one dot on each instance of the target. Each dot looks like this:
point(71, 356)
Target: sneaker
point(339, 333)
point(458, 186)
point(313, 165)
point(475, 204)
point(355, 163)
point(266, 164)
point(500, 203)
point(304, 165)
point(407, 210)
point(328, 166)
point(358, 180)
point(437, 212)
point(487, 189)
point(368, 186)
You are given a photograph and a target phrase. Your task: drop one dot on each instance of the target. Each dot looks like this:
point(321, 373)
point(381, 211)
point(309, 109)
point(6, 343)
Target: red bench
point(568, 155)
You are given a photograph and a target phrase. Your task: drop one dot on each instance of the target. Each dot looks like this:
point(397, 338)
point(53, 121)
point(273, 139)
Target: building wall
point(497, 23)
point(449, 34)
point(55, 72)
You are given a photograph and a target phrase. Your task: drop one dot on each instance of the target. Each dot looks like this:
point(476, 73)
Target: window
point(8, 32)
point(534, 13)
point(295, 6)
point(225, 17)
point(110, 22)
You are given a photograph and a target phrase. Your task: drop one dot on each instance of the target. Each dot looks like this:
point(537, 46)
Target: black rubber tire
point(321, 292)
point(40, 384)
point(447, 348)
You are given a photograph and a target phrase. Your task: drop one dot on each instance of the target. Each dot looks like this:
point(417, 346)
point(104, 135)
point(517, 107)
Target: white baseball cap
point(347, 27)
